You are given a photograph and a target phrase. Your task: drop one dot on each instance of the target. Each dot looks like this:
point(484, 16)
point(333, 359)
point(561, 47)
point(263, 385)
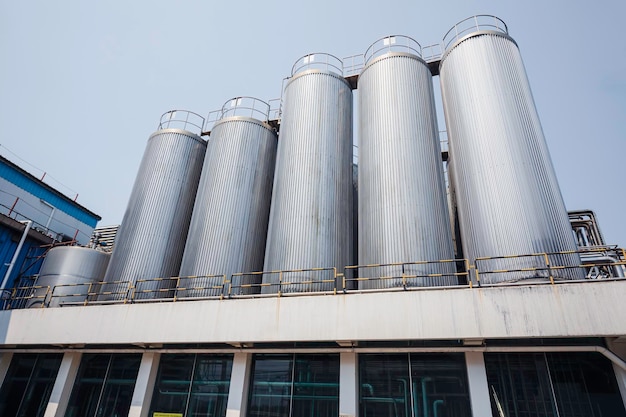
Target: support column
point(239, 384)
point(144, 386)
point(60, 396)
point(5, 362)
point(348, 385)
point(478, 385)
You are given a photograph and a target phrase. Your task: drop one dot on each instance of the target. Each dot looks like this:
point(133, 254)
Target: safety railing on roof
point(471, 25)
point(284, 282)
point(353, 64)
point(182, 119)
point(407, 275)
point(592, 264)
point(394, 43)
point(319, 61)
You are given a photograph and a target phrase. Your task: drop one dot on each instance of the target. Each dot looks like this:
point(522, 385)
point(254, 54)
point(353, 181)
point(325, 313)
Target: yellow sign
point(167, 414)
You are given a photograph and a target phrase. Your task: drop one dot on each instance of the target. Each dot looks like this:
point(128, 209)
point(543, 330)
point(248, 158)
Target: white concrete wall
point(565, 310)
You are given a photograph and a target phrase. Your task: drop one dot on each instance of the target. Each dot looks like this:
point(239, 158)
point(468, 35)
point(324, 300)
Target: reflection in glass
point(28, 384)
point(294, 385)
point(415, 385)
point(192, 385)
point(572, 384)
point(104, 385)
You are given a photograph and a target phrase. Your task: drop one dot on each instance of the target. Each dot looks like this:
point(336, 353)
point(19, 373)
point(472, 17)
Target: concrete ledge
point(565, 310)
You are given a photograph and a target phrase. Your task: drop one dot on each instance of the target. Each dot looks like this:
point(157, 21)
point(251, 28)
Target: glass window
point(192, 385)
point(584, 385)
point(519, 385)
point(28, 384)
point(294, 385)
point(573, 384)
point(104, 385)
point(413, 385)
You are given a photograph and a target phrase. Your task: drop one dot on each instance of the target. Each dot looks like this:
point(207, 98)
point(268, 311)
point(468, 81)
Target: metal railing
point(607, 262)
point(393, 43)
point(407, 275)
point(319, 61)
point(471, 25)
point(545, 266)
point(246, 106)
point(353, 64)
point(182, 119)
point(432, 52)
point(282, 282)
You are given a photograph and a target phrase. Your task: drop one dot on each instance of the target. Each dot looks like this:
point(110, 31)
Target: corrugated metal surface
point(69, 265)
point(27, 262)
point(403, 213)
point(509, 201)
point(229, 223)
point(311, 214)
point(151, 238)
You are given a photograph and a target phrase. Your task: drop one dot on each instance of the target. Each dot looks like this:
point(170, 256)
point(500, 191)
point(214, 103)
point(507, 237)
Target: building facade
point(537, 333)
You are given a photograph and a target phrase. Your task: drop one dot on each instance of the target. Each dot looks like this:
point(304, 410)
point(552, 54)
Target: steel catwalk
point(151, 238)
point(403, 212)
point(508, 197)
point(229, 222)
point(310, 222)
point(67, 271)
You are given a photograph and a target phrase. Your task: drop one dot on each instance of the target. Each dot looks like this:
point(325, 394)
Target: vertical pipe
point(28, 224)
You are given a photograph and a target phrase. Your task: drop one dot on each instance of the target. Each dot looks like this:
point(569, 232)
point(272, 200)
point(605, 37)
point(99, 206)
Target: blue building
point(41, 215)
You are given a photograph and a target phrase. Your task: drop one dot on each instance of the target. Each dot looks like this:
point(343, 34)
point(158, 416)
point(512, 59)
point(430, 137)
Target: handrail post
point(547, 261)
point(280, 282)
point(467, 272)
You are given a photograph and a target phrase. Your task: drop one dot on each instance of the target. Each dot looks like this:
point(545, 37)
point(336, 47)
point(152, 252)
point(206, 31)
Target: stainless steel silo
point(311, 212)
point(68, 275)
point(403, 212)
point(509, 201)
point(151, 238)
point(229, 222)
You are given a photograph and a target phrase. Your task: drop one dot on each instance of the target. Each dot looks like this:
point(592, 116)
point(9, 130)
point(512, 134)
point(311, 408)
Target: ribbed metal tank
point(229, 223)
point(311, 213)
point(403, 212)
point(509, 201)
point(151, 238)
point(66, 271)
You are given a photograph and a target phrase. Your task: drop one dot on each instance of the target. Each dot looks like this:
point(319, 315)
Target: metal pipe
point(28, 224)
point(45, 203)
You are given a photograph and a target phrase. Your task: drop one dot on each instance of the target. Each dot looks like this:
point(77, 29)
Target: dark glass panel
point(209, 393)
point(270, 387)
point(316, 386)
point(519, 385)
point(385, 386)
point(119, 385)
point(40, 386)
point(585, 385)
point(28, 384)
point(88, 385)
point(171, 389)
point(439, 385)
point(104, 385)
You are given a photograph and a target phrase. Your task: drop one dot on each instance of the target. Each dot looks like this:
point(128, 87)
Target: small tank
point(151, 238)
point(67, 271)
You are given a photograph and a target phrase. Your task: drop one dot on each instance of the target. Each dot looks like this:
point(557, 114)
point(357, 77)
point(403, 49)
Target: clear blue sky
point(83, 83)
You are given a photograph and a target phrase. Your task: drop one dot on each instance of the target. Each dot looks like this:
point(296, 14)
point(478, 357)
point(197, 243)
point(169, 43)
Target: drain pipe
point(28, 224)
